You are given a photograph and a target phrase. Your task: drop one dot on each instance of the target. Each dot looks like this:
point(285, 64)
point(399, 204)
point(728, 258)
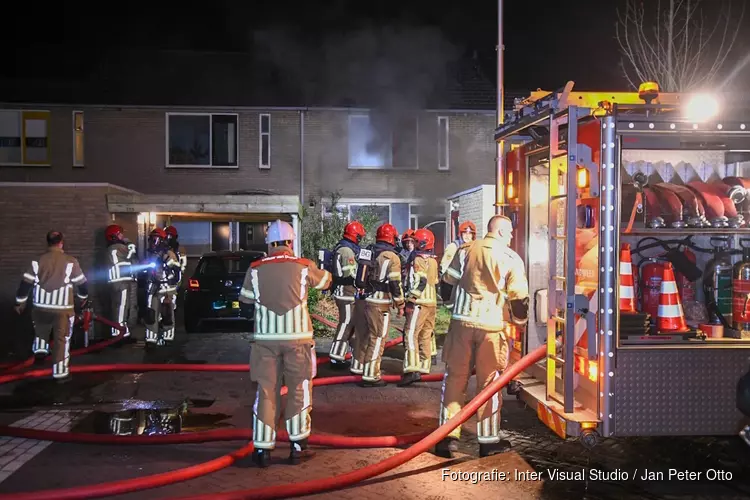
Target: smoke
point(393, 69)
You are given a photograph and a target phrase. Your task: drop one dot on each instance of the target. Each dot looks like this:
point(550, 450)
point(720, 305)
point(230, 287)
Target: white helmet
point(280, 231)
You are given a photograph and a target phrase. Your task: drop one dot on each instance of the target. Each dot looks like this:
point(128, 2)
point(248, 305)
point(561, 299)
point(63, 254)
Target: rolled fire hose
point(280, 491)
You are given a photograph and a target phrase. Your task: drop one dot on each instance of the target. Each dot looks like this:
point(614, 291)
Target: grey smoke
point(395, 69)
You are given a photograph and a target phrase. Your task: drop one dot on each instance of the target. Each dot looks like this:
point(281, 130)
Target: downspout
point(298, 228)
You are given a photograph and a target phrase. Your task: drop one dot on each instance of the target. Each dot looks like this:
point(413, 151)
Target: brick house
point(221, 166)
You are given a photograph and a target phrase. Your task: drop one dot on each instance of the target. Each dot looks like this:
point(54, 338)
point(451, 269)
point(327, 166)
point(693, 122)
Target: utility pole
point(500, 146)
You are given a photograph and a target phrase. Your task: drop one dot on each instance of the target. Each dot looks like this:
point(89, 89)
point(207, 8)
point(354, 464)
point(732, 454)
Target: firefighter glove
point(519, 311)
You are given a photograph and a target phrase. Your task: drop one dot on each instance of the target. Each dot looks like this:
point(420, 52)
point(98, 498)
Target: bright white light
point(701, 107)
point(538, 191)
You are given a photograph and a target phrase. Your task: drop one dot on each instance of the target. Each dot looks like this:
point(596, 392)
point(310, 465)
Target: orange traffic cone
point(627, 289)
point(670, 316)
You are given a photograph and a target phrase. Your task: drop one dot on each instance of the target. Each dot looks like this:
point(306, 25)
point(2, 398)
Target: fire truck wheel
point(589, 438)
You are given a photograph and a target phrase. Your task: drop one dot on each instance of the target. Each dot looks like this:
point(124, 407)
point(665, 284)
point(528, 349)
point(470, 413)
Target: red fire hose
point(281, 491)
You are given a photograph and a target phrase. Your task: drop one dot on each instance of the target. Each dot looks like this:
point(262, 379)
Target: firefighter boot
point(39, 359)
point(299, 452)
point(446, 447)
point(489, 449)
point(339, 365)
point(409, 378)
point(262, 458)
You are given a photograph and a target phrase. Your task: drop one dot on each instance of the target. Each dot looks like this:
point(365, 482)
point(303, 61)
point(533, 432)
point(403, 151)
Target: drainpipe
point(302, 157)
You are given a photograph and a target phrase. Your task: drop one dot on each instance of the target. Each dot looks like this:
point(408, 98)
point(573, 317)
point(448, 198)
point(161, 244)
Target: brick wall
point(127, 147)
point(27, 213)
point(476, 206)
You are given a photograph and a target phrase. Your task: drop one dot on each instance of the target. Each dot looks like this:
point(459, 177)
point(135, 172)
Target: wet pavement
point(207, 401)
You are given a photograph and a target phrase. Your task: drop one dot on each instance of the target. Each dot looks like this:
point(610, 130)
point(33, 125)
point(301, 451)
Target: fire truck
point(667, 174)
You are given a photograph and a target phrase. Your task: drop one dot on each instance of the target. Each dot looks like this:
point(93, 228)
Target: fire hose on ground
point(421, 442)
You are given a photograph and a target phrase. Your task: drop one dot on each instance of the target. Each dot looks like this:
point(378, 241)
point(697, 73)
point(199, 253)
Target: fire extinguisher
point(651, 270)
point(717, 283)
point(741, 291)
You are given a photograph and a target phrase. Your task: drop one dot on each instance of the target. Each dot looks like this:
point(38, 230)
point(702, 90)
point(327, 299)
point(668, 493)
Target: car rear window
point(229, 264)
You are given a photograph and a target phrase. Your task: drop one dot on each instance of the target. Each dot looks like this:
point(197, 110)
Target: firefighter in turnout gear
point(52, 279)
point(380, 278)
point(181, 253)
point(408, 243)
point(467, 232)
point(121, 279)
point(282, 345)
point(491, 289)
point(344, 270)
point(421, 307)
point(163, 276)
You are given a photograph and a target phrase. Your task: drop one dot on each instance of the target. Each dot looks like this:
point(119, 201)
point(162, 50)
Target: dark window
point(202, 140)
point(265, 141)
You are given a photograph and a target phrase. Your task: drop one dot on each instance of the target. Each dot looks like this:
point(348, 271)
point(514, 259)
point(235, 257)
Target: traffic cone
point(627, 288)
point(670, 317)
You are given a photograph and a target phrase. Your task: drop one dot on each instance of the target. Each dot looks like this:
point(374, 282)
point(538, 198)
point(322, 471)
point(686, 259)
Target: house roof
point(189, 78)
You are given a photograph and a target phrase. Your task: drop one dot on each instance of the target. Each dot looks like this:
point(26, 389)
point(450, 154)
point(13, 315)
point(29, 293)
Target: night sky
point(547, 43)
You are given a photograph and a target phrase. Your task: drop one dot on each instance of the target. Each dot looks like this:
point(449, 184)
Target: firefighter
point(467, 232)
point(282, 345)
point(52, 278)
point(380, 277)
point(163, 276)
point(120, 253)
point(181, 253)
point(489, 277)
point(344, 269)
point(421, 306)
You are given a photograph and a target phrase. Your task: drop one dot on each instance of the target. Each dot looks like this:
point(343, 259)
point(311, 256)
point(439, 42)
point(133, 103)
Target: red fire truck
point(668, 174)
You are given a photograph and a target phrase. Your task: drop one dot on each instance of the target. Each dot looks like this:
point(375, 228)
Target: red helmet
point(158, 233)
point(113, 232)
point(425, 239)
point(354, 231)
point(467, 226)
point(387, 233)
point(408, 235)
point(171, 231)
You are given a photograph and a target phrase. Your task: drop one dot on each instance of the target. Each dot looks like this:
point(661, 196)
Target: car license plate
point(235, 305)
point(365, 254)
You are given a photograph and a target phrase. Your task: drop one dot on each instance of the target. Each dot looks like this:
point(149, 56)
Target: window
point(414, 222)
point(24, 138)
point(202, 140)
point(77, 138)
point(265, 141)
point(443, 143)
point(377, 141)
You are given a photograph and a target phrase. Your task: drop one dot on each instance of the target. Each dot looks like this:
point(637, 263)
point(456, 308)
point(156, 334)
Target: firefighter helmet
point(387, 233)
point(113, 233)
point(280, 231)
point(467, 226)
point(158, 233)
point(354, 231)
point(425, 239)
point(171, 232)
point(408, 235)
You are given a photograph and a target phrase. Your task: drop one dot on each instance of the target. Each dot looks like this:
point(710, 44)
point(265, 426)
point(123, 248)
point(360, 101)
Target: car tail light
point(194, 284)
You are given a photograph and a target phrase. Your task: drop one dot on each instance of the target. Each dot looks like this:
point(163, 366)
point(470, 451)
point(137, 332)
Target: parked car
point(212, 292)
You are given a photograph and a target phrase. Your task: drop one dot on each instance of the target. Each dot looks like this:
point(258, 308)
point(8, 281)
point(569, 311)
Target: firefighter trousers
point(418, 337)
point(345, 339)
point(120, 294)
point(60, 324)
point(159, 311)
point(272, 365)
point(370, 346)
point(489, 352)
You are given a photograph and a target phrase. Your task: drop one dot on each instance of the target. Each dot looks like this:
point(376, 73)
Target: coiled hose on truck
point(422, 443)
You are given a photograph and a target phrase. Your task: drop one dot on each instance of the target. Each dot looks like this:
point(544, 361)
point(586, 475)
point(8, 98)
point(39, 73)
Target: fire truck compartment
point(592, 177)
